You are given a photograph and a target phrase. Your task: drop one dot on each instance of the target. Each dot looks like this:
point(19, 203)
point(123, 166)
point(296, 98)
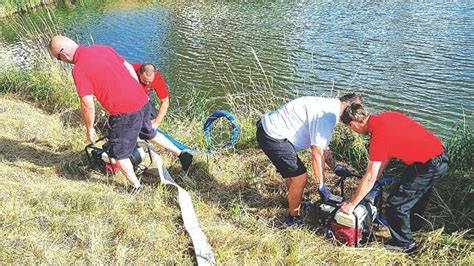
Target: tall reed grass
point(44, 81)
point(10, 7)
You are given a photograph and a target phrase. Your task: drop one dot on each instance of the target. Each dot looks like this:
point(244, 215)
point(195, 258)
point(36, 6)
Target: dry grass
point(54, 210)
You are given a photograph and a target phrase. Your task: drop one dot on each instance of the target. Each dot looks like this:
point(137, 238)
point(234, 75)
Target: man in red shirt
point(152, 82)
point(395, 135)
point(99, 71)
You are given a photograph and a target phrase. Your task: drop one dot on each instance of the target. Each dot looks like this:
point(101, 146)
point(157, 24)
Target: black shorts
point(281, 152)
point(124, 129)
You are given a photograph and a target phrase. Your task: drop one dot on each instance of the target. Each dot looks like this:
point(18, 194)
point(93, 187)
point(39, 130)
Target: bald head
point(146, 73)
point(62, 48)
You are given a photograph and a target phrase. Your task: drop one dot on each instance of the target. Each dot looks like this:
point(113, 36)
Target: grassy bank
point(11, 7)
point(54, 209)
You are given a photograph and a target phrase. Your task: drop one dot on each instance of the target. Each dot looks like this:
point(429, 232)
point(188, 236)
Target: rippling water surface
point(417, 58)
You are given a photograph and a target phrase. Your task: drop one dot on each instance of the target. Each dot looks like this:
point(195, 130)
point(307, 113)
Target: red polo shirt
point(99, 71)
point(395, 135)
point(158, 84)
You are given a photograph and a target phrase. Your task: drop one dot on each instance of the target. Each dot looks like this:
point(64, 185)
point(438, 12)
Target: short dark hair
point(143, 67)
point(352, 98)
point(354, 112)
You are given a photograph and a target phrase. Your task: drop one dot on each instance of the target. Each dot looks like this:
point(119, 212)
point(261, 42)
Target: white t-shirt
point(305, 121)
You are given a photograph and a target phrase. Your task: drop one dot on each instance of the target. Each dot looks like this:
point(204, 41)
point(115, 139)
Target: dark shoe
point(292, 221)
point(341, 171)
point(134, 190)
point(186, 159)
point(393, 246)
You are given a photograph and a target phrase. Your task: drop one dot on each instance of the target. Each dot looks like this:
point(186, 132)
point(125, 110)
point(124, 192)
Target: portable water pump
point(99, 159)
point(351, 229)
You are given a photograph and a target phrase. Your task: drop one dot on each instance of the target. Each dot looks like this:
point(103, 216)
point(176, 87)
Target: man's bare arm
point(383, 167)
point(88, 114)
point(165, 103)
point(365, 185)
point(317, 162)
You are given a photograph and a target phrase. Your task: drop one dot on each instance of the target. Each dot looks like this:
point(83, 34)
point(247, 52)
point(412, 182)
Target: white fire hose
point(202, 248)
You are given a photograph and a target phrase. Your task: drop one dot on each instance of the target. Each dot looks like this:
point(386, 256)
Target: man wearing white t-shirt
point(306, 122)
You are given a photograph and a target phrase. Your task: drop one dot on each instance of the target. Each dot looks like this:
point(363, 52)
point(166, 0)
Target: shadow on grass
point(253, 193)
point(243, 191)
point(69, 164)
point(215, 191)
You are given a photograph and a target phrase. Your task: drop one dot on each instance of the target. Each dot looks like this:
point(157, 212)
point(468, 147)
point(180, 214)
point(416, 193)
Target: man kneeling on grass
point(298, 125)
point(395, 135)
point(153, 83)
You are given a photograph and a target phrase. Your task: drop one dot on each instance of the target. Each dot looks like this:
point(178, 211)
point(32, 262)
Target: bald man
point(152, 82)
point(101, 72)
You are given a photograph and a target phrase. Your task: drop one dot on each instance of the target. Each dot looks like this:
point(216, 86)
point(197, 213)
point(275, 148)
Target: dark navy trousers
point(408, 201)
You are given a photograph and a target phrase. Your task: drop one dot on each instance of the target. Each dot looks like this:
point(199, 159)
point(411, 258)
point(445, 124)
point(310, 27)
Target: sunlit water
point(417, 58)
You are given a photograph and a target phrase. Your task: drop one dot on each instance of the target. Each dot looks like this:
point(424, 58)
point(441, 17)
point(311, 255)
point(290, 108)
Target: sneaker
point(291, 221)
point(186, 159)
point(134, 190)
point(393, 246)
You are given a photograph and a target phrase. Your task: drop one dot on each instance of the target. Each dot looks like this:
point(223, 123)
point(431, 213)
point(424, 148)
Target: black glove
point(341, 171)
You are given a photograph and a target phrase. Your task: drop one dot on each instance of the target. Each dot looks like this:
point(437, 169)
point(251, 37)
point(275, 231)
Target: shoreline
point(17, 53)
point(9, 10)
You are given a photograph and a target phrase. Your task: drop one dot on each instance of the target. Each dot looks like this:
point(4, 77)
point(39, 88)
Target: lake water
point(417, 58)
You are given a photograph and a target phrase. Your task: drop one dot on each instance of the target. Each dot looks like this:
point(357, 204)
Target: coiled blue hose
point(207, 133)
